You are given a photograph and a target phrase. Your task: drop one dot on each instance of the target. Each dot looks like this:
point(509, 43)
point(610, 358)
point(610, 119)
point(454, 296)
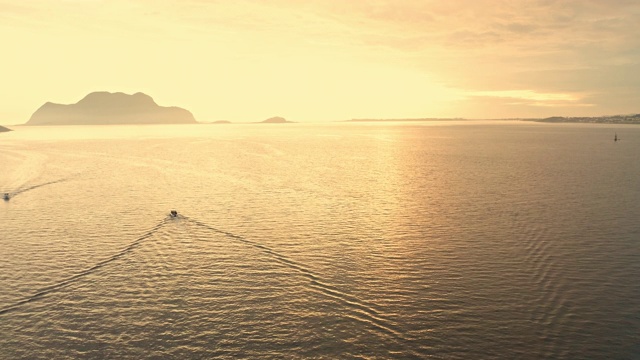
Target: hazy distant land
point(413, 119)
point(276, 120)
point(4, 129)
point(105, 108)
point(613, 119)
point(271, 120)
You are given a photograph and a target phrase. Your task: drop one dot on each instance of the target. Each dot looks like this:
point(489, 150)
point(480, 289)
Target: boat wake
point(355, 308)
point(33, 187)
point(70, 280)
point(359, 309)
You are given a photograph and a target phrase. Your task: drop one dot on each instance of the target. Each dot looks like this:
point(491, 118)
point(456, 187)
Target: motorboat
point(174, 213)
point(6, 196)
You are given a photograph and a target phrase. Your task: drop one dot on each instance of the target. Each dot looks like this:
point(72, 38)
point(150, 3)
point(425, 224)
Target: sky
point(326, 60)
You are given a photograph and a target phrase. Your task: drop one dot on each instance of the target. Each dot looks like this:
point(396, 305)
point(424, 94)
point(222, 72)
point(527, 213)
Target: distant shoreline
point(404, 120)
point(612, 120)
point(616, 119)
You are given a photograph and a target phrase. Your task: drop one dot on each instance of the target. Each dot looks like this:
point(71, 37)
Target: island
point(106, 108)
point(4, 129)
point(276, 120)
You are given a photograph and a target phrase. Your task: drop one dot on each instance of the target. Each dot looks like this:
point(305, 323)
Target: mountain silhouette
point(105, 108)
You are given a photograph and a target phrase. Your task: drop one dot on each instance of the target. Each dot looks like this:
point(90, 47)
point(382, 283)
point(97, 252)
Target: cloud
point(532, 56)
point(530, 95)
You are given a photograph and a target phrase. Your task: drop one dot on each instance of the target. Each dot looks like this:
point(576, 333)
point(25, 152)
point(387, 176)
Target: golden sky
point(322, 60)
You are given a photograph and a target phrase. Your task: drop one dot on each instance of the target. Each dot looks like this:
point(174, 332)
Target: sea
point(380, 240)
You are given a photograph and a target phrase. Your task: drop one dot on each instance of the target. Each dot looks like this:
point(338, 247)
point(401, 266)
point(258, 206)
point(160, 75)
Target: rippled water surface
point(467, 240)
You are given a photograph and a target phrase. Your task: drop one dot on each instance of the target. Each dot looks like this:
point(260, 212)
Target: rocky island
point(105, 108)
point(276, 120)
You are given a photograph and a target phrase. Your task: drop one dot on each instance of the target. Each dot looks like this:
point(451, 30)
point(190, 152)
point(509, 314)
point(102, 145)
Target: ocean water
point(443, 240)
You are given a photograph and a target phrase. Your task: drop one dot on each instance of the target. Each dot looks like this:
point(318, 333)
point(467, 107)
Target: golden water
point(462, 240)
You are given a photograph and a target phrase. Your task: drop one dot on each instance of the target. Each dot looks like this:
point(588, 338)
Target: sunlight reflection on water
point(451, 240)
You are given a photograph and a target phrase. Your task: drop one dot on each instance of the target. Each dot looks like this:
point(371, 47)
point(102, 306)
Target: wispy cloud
point(529, 95)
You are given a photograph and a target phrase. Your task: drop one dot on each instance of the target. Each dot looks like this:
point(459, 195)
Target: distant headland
point(612, 119)
point(4, 129)
point(105, 108)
